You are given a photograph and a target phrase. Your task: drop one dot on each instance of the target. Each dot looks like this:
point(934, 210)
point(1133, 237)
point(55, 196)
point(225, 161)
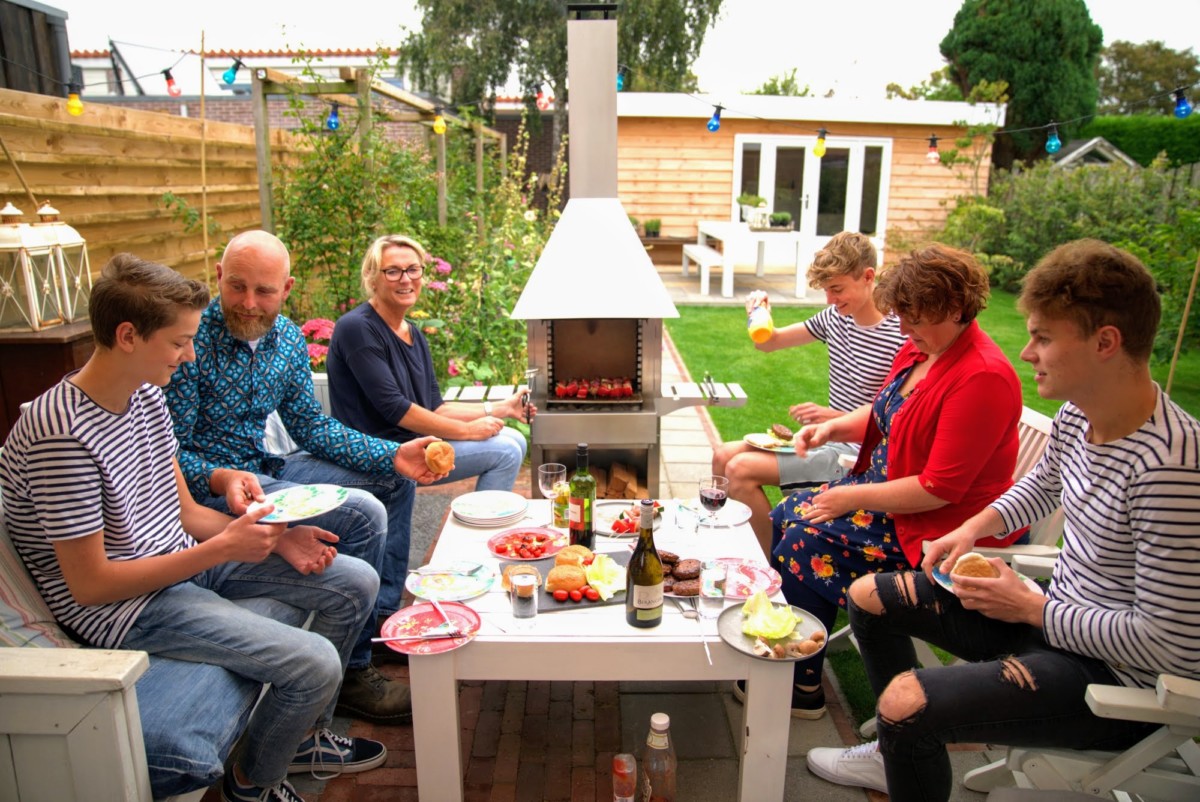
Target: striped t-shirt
point(1126, 589)
point(860, 357)
point(71, 468)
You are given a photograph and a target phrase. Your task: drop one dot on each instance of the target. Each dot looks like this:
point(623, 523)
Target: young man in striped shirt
point(862, 342)
point(1124, 602)
point(100, 514)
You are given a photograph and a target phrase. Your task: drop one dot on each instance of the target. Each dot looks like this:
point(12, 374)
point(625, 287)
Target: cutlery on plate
point(428, 636)
point(451, 627)
point(458, 569)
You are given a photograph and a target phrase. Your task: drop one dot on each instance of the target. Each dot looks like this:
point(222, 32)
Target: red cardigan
point(957, 431)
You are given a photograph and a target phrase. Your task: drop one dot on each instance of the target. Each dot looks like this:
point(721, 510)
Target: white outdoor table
point(731, 233)
point(595, 643)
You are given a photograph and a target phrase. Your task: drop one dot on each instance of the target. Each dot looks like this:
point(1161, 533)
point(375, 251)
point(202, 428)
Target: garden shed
point(876, 171)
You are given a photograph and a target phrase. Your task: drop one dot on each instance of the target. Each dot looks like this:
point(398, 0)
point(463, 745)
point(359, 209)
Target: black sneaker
point(324, 755)
point(808, 705)
point(233, 791)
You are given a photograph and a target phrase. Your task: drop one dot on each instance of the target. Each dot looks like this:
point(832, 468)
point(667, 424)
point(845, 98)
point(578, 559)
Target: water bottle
point(759, 323)
point(656, 774)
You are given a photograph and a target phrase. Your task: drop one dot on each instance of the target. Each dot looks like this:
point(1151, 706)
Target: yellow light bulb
point(819, 148)
point(74, 104)
point(439, 125)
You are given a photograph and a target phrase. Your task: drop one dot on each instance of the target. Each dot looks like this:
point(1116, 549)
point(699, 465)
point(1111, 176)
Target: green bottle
point(582, 502)
point(644, 578)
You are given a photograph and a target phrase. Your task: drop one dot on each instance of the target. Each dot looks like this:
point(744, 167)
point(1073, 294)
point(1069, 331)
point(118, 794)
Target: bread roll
point(518, 568)
point(439, 456)
point(573, 555)
point(974, 564)
point(565, 577)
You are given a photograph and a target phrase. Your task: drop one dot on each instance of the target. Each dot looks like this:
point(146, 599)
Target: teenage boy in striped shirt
point(1124, 602)
point(101, 515)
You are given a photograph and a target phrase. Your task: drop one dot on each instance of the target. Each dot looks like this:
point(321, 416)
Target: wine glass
point(549, 475)
point(714, 490)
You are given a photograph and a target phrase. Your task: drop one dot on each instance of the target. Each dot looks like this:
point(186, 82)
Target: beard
point(247, 330)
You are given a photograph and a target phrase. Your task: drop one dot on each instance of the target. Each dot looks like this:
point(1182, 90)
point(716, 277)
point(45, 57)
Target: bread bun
point(573, 555)
point(439, 456)
point(565, 577)
point(515, 569)
point(974, 564)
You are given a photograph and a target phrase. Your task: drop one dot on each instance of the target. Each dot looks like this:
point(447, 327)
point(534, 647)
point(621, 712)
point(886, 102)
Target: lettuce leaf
point(606, 575)
point(766, 620)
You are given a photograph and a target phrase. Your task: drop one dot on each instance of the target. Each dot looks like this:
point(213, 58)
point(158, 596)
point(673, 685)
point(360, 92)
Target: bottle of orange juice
point(759, 323)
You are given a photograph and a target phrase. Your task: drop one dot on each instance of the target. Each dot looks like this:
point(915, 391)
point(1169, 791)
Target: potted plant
point(749, 202)
point(781, 220)
point(633, 221)
point(653, 227)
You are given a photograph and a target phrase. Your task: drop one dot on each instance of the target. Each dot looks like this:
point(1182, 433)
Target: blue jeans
point(197, 621)
point(495, 461)
point(1018, 690)
point(374, 525)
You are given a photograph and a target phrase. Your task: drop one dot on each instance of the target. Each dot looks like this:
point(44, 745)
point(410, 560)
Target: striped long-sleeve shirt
point(1126, 589)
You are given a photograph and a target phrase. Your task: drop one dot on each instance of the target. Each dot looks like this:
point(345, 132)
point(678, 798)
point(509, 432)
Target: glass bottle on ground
point(656, 770)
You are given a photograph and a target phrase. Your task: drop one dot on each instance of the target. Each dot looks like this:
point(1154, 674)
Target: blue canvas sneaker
point(326, 755)
point(233, 791)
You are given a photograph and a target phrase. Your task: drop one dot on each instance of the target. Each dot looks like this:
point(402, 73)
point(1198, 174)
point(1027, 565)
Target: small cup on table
point(524, 595)
point(712, 589)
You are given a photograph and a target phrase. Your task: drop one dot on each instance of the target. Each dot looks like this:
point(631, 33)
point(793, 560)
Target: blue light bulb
point(714, 122)
point(333, 121)
point(1182, 107)
point(620, 81)
point(1053, 143)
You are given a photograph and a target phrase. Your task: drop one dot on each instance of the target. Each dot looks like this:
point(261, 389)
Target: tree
point(938, 87)
point(1130, 75)
point(468, 49)
point(1047, 51)
point(784, 84)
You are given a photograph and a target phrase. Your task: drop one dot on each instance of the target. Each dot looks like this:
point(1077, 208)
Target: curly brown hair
point(1094, 284)
point(144, 293)
point(930, 284)
point(846, 254)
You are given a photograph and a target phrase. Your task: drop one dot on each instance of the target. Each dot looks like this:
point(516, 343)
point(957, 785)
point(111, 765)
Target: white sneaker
point(860, 766)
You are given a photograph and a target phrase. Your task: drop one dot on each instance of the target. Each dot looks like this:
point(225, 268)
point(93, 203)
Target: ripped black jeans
point(1016, 690)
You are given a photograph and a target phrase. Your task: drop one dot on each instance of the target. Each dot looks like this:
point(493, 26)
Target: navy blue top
point(375, 377)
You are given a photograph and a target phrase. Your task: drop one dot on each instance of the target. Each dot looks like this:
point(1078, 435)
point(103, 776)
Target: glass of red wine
point(713, 492)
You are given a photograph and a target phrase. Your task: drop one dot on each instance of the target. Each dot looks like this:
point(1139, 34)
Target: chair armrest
point(1034, 566)
point(70, 671)
point(1179, 694)
point(1141, 704)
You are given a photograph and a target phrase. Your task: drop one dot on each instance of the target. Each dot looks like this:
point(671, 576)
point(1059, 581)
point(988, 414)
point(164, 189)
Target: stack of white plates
point(489, 508)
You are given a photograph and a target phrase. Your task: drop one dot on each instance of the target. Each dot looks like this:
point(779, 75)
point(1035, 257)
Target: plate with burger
point(974, 564)
point(776, 438)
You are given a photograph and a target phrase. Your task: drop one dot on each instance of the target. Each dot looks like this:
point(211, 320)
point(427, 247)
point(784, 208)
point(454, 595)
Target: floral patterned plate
point(302, 501)
point(744, 578)
point(423, 619)
point(450, 586)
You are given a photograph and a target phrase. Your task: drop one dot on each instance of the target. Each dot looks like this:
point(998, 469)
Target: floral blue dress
point(819, 561)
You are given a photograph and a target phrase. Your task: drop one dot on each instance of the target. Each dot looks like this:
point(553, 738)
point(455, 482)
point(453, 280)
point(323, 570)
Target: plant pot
point(651, 234)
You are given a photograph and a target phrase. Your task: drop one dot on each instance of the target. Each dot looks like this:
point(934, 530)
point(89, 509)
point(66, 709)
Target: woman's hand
point(810, 436)
point(306, 548)
point(833, 502)
point(482, 428)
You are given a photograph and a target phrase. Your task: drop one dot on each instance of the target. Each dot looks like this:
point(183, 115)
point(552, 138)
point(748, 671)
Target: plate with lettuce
point(769, 631)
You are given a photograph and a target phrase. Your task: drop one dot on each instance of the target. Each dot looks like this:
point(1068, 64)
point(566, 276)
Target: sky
point(855, 47)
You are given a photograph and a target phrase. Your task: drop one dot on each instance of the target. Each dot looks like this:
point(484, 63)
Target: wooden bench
point(706, 257)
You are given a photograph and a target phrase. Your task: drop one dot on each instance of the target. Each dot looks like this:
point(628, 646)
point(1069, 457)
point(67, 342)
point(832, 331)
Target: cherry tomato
point(560, 595)
point(589, 559)
point(576, 596)
point(592, 594)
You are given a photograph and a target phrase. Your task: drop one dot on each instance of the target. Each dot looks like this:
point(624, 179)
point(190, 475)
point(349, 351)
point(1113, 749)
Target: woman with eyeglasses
point(382, 380)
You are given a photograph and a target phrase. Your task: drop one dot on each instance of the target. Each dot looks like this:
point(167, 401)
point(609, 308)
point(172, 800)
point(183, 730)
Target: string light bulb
point(172, 88)
point(334, 120)
point(819, 148)
point(439, 123)
point(1053, 143)
point(1182, 107)
point(230, 75)
point(74, 104)
point(933, 157)
point(542, 101)
point(620, 80)
point(714, 122)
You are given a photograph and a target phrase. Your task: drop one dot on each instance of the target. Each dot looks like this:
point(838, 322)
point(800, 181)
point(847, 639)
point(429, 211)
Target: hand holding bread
point(439, 456)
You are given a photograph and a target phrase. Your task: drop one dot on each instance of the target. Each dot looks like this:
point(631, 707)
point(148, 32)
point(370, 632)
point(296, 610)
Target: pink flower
point(318, 328)
point(441, 265)
point(430, 329)
point(452, 368)
point(436, 285)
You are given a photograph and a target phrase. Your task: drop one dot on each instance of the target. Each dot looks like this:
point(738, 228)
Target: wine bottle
point(583, 499)
point(644, 577)
point(656, 770)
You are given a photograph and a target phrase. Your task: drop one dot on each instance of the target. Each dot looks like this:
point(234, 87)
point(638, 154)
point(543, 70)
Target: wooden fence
point(107, 173)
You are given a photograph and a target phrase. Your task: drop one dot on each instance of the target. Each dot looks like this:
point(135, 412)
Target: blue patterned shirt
point(220, 405)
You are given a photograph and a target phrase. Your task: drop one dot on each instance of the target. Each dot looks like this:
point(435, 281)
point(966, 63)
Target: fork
point(451, 629)
point(687, 606)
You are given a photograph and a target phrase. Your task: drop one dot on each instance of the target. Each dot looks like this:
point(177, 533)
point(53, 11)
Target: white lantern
point(45, 276)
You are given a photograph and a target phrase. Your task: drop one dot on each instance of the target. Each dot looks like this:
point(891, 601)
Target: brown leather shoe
point(366, 694)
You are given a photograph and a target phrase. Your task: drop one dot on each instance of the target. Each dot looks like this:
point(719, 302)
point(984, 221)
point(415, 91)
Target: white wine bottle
point(582, 501)
point(644, 578)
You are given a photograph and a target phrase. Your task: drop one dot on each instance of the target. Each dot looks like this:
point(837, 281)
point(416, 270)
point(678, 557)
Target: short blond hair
point(374, 258)
point(846, 254)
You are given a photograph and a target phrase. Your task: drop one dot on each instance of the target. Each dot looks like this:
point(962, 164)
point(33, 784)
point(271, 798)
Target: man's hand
point(410, 461)
point(307, 549)
point(483, 428)
point(1004, 598)
point(757, 298)
point(809, 413)
point(247, 541)
point(238, 487)
point(511, 408)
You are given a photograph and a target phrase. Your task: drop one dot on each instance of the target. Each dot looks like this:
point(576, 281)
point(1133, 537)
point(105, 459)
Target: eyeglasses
point(394, 273)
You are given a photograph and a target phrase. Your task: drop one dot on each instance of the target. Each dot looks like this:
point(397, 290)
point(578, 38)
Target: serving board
point(546, 602)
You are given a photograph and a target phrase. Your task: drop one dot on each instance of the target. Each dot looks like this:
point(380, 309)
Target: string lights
point(1053, 143)
point(933, 157)
point(542, 101)
point(714, 122)
point(1182, 107)
point(74, 104)
point(439, 122)
point(334, 120)
point(819, 148)
point(621, 71)
point(230, 75)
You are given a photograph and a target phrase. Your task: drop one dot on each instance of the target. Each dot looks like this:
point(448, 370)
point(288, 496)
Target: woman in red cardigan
point(939, 445)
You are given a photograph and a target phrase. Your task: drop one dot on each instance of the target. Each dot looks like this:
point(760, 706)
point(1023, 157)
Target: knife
point(432, 636)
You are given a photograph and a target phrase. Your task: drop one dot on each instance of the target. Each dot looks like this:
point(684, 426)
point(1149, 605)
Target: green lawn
point(714, 339)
